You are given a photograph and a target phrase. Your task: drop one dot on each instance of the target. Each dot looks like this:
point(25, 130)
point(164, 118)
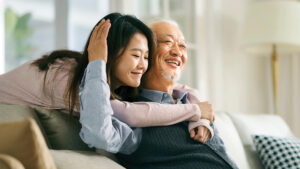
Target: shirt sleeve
point(144, 114)
point(99, 128)
point(202, 122)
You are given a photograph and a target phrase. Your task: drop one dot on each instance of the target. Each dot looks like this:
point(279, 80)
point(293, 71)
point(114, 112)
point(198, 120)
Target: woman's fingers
point(97, 48)
point(106, 30)
point(99, 28)
point(96, 30)
point(192, 133)
point(103, 31)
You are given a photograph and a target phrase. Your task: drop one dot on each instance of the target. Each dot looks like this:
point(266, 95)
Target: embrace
point(124, 87)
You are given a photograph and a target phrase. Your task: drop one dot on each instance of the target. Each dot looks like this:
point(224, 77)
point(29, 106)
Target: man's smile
point(173, 62)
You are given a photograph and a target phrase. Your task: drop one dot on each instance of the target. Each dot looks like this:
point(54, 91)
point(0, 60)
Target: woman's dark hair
point(123, 27)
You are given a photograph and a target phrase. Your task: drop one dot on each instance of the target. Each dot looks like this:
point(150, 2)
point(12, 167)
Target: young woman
point(66, 68)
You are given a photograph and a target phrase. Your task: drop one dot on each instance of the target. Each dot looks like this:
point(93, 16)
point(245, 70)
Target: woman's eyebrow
point(138, 49)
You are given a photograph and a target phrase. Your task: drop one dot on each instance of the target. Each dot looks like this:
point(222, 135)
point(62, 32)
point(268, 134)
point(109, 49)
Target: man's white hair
point(161, 20)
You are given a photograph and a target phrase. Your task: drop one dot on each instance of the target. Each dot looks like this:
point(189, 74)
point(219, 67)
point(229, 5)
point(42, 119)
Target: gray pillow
point(61, 129)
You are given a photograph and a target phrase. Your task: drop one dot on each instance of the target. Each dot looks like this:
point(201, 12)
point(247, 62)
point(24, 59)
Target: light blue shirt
point(99, 128)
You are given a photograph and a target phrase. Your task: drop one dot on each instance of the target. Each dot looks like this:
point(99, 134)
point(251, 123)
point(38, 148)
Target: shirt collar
point(164, 97)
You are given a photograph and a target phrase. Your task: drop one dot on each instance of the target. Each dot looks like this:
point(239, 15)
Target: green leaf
point(23, 21)
point(11, 19)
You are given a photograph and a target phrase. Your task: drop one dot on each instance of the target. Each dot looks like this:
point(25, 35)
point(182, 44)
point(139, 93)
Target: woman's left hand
point(201, 134)
point(97, 48)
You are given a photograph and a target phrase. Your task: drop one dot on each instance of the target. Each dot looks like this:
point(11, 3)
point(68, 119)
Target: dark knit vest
point(170, 147)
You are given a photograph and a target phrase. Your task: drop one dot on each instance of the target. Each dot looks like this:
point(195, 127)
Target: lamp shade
point(272, 22)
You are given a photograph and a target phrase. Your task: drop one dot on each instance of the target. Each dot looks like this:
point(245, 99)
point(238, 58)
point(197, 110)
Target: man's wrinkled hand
point(201, 134)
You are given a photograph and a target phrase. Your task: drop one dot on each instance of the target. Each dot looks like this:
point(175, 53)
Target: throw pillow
point(24, 141)
point(62, 130)
point(278, 152)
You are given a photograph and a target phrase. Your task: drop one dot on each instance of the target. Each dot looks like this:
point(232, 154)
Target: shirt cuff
point(202, 122)
point(96, 69)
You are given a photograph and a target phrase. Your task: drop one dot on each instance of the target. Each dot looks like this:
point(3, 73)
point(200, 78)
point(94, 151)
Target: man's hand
point(207, 111)
point(97, 48)
point(201, 134)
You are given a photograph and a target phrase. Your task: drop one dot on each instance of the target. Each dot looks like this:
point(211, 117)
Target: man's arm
point(99, 128)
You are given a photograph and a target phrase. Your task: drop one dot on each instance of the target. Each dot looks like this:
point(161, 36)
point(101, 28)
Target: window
point(83, 16)
point(36, 27)
point(29, 33)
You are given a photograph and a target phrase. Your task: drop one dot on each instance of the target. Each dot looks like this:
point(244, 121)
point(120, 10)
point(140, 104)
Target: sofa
point(60, 132)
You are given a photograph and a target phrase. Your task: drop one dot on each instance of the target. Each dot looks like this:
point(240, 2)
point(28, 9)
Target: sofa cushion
point(65, 159)
point(277, 152)
point(232, 141)
point(24, 141)
point(20, 112)
point(61, 129)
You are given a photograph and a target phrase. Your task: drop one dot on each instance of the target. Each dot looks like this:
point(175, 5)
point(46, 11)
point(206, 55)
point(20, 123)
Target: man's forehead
point(173, 36)
point(165, 29)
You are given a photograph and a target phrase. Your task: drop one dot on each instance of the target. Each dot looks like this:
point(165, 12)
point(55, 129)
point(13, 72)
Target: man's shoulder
point(142, 99)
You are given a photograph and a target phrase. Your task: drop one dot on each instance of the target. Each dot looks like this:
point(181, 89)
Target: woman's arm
point(99, 128)
point(145, 114)
point(193, 96)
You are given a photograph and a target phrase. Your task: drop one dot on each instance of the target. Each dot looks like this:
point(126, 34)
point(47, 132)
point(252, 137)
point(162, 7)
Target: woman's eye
point(146, 57)
point(137, 56)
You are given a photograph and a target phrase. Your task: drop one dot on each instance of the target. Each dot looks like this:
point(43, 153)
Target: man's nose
point(175, 51)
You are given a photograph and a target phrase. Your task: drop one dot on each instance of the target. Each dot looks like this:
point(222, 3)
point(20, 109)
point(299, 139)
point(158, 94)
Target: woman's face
point(133, 63)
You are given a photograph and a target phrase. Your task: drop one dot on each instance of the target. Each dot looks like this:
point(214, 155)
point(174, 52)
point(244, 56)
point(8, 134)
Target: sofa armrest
point(66, 159)
point(9, 162)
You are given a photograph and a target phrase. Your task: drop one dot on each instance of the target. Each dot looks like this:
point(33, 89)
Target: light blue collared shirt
point(99, 128)
point(163, 97)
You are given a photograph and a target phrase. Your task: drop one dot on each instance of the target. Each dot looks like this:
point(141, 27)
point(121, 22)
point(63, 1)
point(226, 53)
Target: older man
point(170, 147)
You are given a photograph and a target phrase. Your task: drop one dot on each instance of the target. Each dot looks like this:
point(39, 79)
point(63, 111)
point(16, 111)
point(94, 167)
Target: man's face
point(170, 56)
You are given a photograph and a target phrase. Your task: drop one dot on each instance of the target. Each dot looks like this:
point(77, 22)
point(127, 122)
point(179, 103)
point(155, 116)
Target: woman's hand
point(97, 48)
point(207, 111)
point(201, 134)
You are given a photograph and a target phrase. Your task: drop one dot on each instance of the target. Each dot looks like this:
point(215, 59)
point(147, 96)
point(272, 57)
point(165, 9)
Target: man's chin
point(170, 77)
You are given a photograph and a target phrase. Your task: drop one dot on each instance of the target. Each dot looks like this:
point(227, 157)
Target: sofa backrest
point(231, 139)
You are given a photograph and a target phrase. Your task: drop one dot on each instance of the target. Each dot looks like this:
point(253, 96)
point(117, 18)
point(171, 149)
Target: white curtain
point(235, 81)
point(2, 39)
point(289, 91)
